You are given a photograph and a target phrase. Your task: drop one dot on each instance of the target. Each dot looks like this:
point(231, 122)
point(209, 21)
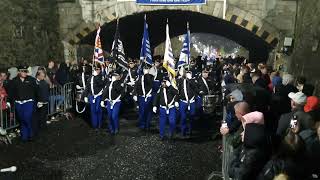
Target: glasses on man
point(25, 71)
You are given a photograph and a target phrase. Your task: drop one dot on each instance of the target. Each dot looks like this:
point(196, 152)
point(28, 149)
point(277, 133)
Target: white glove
point(168, 83)
point(78, 87)
point(131, 83)
point(188, 75)
point(135, 98)
point(3, 132)
point(176, 104)
point(154, 109)
point(8, 105)
point(102, 104)
point(86, 100)
point(39, 104)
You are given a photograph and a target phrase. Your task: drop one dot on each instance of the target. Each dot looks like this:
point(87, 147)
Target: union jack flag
point(98, 52)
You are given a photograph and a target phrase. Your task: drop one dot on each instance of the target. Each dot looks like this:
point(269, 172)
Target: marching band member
point(42, 100)
point(143, 94)
point(92, 94)
point(111, 99)
point(107, 69)
point(187, 107)
point(132, 76)
point(166, 98)
point(24, 90)
point(205, 88)
point(158, 76)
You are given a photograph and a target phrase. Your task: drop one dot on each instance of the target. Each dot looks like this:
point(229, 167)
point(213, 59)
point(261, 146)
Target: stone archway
point(108, 12)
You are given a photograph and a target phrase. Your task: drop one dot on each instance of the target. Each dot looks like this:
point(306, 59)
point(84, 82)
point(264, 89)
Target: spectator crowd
point(272, 123)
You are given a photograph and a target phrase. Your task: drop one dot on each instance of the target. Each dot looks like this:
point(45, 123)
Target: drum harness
point(81, 90)
point(170, 105)
point(146, 96)
point(205, 83)
point(186, 95)
point(112, 102)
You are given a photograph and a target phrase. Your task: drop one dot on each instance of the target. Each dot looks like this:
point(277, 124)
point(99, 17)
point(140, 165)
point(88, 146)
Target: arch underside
point(131, 29)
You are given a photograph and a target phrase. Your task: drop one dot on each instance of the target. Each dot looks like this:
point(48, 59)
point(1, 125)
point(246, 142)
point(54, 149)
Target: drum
point(209, 103)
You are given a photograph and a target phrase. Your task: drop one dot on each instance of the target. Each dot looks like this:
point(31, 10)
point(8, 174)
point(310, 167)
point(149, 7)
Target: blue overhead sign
point(170, 2)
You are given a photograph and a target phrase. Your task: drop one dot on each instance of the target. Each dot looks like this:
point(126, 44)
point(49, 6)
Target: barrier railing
point(56, 100)
point(69, 96)
point(7, 115)
point(61, 99)
point(227, 148)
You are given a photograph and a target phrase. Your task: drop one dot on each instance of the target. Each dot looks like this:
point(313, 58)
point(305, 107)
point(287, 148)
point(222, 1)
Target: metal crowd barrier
point(60, 99)
point(56, 100)
point(69, 96)
point(7, 115)
point(227, 148)
point(227, 151)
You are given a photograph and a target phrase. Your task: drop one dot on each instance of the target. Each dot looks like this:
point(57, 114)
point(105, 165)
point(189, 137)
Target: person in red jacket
point(3, 96)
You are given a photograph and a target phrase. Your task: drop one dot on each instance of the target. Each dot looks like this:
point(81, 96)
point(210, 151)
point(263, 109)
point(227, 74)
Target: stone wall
point(306, 55)
point(29, 32)
point(279, 13)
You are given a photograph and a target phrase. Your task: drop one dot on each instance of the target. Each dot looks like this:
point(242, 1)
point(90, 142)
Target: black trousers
point(40, 118)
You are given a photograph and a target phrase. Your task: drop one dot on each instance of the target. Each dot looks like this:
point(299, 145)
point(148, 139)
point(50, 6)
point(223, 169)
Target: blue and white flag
point(184, 58)
point(169, 62)
point(145, 53)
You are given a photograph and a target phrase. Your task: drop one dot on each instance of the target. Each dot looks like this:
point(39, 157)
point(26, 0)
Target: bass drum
point(209, 103)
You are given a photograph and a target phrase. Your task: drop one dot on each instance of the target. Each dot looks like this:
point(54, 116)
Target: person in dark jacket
point(288, 159)
point(298, 100)
point(111, 99)
point(158, 76)
point(63, 74)
point(187, 107)
point(92, 94)
point(251, 157)
point(42, 100)
point(24, 93)
point(233, 111)
point(302, 86)
point(311, 155)
point(284, 90)
point(258, 81)
point(51, 71)
point(205, 87)
point(229, 78)
point(166, 99)
point(143, 95)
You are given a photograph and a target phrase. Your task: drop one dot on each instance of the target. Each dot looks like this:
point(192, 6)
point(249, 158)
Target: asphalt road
point(71, 149)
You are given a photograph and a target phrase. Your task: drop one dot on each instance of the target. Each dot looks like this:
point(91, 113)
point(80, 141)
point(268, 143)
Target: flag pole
point(95, 41)
point(145, 21)
point(188, 34)
point(117, 31)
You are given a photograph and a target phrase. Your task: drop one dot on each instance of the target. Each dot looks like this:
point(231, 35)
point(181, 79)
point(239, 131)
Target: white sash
point(92, 91)
point(142, 84)
point(83, 81)
point(186, 92)
point(205, 83)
